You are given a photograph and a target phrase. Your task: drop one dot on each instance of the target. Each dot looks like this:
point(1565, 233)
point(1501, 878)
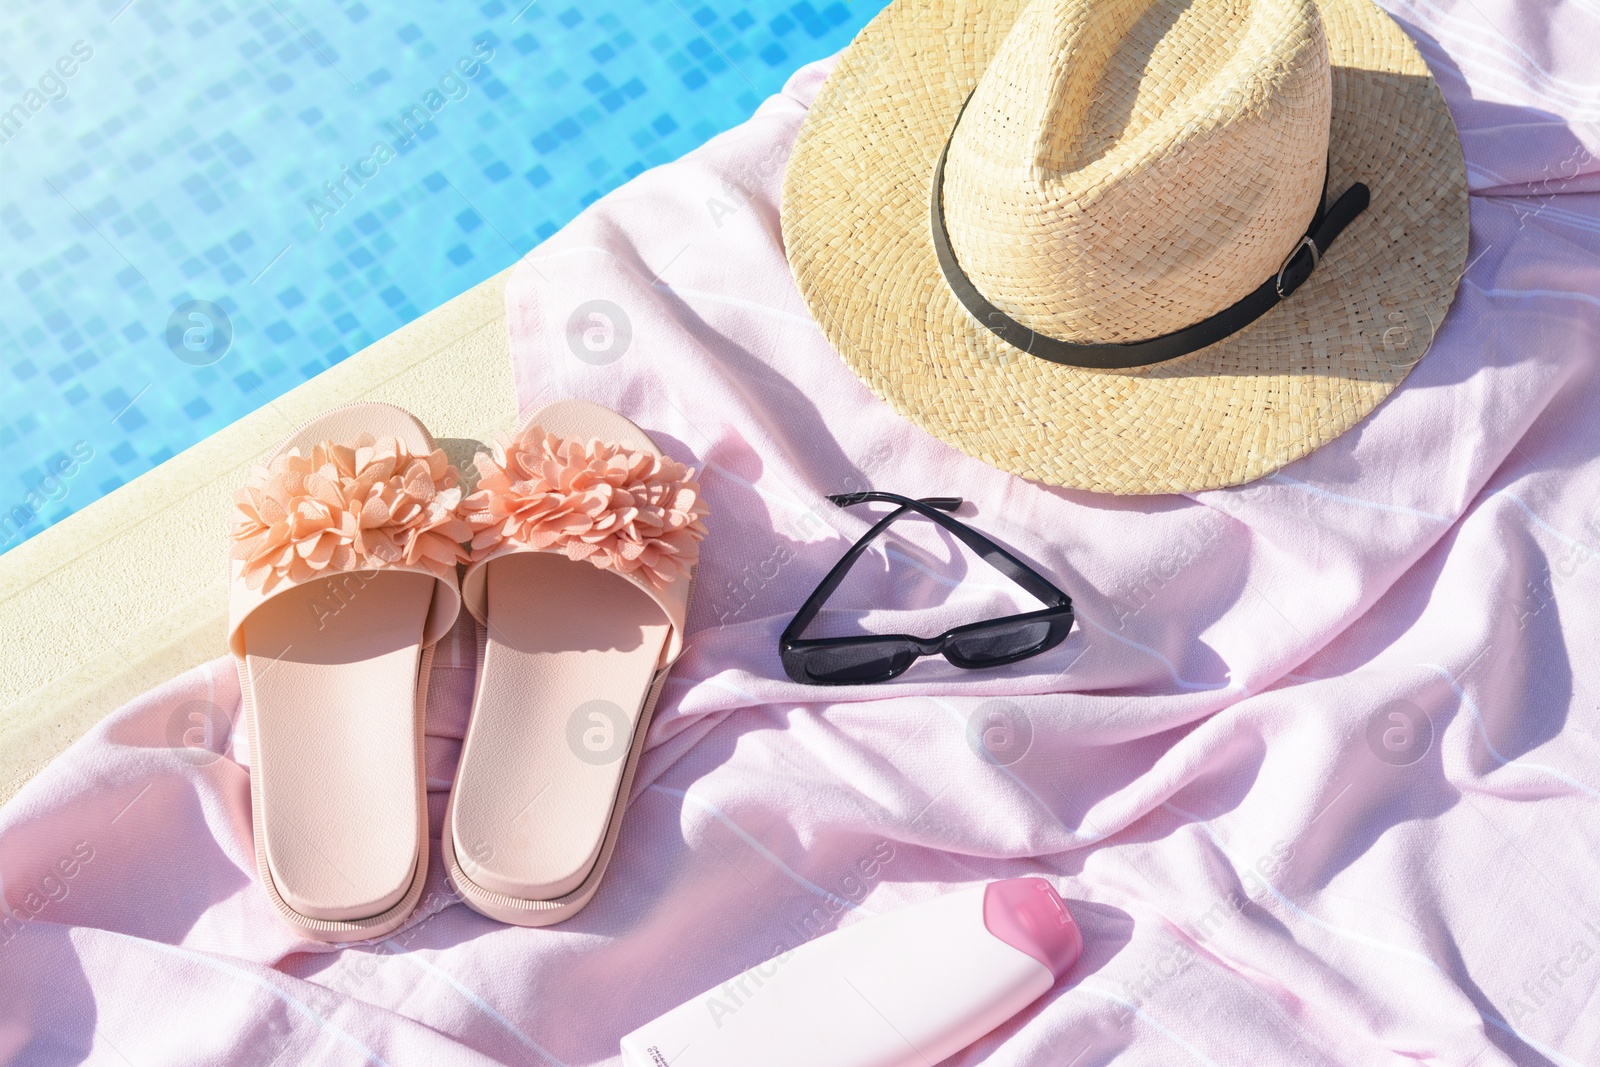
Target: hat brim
point(855, 225)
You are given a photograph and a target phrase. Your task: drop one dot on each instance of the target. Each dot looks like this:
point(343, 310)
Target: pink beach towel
point(1318, 773)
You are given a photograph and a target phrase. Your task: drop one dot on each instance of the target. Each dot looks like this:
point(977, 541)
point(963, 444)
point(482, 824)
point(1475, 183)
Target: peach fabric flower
point(631, 512)
point(348, 508)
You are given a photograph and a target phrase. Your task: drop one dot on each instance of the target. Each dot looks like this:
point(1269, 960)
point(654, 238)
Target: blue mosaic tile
point(329, 172)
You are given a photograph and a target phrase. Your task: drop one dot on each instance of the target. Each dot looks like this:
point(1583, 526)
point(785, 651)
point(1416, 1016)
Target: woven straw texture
point(1125, 168)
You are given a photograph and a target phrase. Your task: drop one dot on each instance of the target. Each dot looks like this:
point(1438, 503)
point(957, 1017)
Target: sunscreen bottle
point(905, 989)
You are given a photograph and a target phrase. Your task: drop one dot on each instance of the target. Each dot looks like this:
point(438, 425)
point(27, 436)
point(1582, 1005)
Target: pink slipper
point(583, 558)
point(343, 575)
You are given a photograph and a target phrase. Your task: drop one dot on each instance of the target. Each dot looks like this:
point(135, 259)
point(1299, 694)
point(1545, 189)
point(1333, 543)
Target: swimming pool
point(207, 202)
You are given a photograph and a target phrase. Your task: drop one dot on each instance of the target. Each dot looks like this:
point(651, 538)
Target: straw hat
point(1174, 244)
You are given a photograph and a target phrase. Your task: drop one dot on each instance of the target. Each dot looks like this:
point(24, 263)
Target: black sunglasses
point(879, 657)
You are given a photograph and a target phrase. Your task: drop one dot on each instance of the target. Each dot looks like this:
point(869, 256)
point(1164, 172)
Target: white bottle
point(908, 988)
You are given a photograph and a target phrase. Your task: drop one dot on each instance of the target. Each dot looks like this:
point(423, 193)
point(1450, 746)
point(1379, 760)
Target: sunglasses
point(880, 657)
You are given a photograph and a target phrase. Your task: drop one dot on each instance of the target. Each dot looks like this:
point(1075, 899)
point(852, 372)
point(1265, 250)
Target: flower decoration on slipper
point(346, 508)
point(629, 511)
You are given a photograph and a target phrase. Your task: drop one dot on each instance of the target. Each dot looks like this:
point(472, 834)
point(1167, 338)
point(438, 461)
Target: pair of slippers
point(580, 543)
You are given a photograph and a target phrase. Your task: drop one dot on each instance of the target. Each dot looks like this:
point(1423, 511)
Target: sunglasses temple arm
point(814, 602)
point(943, 503)
point(997, 557)
point(932, 508)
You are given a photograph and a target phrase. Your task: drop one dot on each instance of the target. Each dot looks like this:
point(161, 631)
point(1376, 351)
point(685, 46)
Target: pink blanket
point(1318, 772)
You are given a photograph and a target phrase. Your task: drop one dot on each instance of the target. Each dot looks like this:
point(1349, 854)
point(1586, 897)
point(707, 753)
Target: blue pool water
point(283, 182)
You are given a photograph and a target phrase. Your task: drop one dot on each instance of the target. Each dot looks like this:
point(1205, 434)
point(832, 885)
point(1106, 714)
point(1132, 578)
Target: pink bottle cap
point(1030, 916)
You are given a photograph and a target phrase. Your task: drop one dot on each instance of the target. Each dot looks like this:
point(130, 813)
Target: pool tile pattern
point(207, 202)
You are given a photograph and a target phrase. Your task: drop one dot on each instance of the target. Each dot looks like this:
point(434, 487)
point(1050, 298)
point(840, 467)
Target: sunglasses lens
point(993, 644)
point(867, 662)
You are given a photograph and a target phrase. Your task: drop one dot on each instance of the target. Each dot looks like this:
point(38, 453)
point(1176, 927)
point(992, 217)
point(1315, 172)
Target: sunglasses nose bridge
point(928, 646)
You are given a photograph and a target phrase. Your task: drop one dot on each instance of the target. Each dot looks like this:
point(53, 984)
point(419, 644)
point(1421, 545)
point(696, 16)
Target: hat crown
point(1127, 168)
